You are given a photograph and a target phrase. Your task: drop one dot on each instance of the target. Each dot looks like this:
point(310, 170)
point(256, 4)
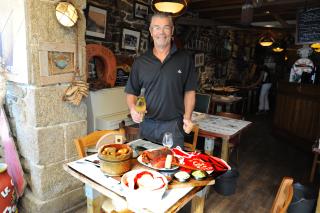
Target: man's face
point(161, 31)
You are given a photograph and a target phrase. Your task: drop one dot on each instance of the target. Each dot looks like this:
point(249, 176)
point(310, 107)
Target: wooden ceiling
point(228, 12)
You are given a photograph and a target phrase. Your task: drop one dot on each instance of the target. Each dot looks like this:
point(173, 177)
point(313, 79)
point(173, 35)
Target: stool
point(316, 152)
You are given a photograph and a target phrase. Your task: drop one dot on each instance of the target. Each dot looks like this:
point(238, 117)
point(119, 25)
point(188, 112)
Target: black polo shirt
point(165, 83)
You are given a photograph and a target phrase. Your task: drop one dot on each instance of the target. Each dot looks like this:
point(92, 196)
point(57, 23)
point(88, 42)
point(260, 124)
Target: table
point(212, 126)
point(173, 200)
point(227, 101)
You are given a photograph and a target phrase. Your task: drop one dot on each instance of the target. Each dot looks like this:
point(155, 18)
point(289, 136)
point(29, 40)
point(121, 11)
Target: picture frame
point(96, 22)
point(199, 59)
point(140, 10)
point(130, 39)
point(57, 62)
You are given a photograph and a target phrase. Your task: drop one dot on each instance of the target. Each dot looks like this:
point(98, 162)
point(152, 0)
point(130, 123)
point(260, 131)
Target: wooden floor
point(263, 162)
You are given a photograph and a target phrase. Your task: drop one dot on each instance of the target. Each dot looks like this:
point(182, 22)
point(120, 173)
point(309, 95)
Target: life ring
point(107, 58)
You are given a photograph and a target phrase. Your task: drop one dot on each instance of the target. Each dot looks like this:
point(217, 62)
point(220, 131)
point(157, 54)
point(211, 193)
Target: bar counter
point(297, 113)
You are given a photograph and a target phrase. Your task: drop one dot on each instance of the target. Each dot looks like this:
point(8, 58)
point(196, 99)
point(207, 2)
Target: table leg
point(94, 200)
point(197, 203)
point(224, 149)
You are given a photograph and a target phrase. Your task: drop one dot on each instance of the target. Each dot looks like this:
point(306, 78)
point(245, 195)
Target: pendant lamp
point(173, 7)
point(266, 41)
point(315, 45)
point(66, 14)
point(278, 47)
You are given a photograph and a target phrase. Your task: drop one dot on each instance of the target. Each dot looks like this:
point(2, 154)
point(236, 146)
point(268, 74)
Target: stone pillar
point(44, 125)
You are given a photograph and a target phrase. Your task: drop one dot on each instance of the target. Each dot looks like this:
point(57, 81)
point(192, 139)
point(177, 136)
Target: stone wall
point(44, 125)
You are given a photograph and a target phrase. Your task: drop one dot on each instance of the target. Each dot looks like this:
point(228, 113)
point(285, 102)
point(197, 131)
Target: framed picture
point(199, 59)
point(57, 62)
point(141, 10)
point(130, 39)
point(96, 22)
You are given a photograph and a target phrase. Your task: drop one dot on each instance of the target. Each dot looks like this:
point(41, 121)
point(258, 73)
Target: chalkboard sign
point(308, 26)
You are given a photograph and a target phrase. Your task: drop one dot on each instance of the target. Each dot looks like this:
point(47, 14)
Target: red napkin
point(199, 161)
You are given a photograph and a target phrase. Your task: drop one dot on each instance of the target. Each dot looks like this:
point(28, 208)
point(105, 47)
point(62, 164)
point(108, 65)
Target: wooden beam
point(196, 22)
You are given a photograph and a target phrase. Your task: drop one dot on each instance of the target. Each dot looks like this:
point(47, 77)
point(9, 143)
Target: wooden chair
point(94, 200)
point(233, 143)
point(283, 197)
point(191, 147)
point(132, 131)
point(203, 103)
point(91, 139)
point(316, 161)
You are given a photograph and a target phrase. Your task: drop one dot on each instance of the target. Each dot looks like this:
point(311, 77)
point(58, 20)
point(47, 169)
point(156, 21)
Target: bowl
point(182, 176)
point(139, 189)
point(115, 159)
point(199, 175)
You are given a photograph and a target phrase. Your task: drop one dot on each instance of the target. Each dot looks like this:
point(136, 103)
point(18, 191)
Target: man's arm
point(189, 102)
point(131, 102)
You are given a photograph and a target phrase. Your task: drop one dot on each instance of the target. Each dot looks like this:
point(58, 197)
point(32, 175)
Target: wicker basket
point(115, 165)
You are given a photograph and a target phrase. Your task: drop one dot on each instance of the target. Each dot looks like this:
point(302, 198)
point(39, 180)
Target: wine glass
point(167, 140)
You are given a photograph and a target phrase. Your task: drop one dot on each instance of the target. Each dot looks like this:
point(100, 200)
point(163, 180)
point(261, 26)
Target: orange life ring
point(107, 58)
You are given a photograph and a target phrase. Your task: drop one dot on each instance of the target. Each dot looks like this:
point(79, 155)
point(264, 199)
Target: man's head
point(161, 29)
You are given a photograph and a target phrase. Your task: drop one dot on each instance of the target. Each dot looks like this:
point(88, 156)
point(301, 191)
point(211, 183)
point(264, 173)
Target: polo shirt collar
point(173, 49)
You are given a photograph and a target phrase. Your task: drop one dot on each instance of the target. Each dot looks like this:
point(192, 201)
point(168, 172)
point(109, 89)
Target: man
point(169, 78)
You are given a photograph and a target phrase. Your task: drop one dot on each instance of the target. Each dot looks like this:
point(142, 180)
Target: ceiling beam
point(216, 7)
point(196, 22)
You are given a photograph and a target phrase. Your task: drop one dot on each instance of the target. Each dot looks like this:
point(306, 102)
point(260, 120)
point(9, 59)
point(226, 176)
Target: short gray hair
point(162, 15)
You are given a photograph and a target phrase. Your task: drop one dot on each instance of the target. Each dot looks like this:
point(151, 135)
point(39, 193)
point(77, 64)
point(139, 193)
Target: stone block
point(62, 203)
point(51, 110)
point(48, 182)
point(42, 145)
point(74, 130)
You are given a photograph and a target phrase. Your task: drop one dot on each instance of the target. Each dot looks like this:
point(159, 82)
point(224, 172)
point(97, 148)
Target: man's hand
point(136, 116)
point(187, 125)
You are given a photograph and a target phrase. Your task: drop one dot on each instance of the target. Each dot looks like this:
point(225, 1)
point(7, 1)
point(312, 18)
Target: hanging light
point(277, 47)
point(266, 41)
point(66, 14)
point(315, 45)
point(174, 7)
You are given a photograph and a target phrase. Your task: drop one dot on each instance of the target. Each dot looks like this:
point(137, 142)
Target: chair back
point(132, 133)
point(203, 102)
point(283, 197)
point(191, 147)
point(229, 115)
point(91, 139)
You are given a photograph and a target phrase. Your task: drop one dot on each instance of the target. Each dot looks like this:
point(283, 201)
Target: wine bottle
point(141, 105)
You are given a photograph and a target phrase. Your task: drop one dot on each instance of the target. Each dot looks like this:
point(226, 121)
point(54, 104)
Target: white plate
point(150, 166)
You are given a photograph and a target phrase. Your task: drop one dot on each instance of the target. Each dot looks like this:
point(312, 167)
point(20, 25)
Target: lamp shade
point(173, 7)
point(66, 14)
point(266, 41)
point(315, 45)
point(278, 47)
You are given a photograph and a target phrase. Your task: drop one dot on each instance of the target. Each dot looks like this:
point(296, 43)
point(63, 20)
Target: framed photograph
point(130, 39)
point(96, 22)
point(199, 59)
point(141, 10)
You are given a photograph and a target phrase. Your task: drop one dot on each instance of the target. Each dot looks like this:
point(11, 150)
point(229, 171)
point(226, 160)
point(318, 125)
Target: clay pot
point(7, 193)
point(115, 165)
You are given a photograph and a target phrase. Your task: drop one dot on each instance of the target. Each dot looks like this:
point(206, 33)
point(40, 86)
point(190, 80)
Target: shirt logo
point(179, 71)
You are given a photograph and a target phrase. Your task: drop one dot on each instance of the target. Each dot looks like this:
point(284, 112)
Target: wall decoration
point(57, 62)
point(130, 39)
point(60, 62)
point(141, 10)
point(96, 22)
point(199, 59)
